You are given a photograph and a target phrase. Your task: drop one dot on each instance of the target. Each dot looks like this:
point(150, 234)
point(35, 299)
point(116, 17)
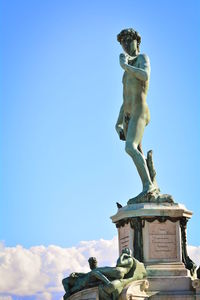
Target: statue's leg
point(97, 274)
point(134, 136)
point(140, 148)
point(113, 289)
point(111, 272)
point(102, 294)
point(65, 283)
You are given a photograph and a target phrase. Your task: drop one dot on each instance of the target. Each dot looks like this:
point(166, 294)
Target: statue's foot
point(136, 199)
point(152, 195)
point(66, 296)
point(144, 195)
point(150, 189)
point(163, 198)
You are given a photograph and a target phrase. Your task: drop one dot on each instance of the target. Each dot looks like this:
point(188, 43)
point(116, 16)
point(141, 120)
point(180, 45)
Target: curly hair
point(131, 33)
point(92, 259)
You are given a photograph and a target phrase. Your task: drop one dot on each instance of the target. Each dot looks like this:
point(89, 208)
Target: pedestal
point(87, 294)
point(196, 286)
point(135, 291)
point(156, 233)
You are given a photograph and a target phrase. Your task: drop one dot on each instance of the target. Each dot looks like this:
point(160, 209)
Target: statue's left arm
point(98, 275)
point(142, 72)
point(125, 261)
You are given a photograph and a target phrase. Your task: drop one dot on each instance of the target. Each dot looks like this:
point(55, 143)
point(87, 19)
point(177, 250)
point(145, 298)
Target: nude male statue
point(110, 280)
point(134, 113)
point(79, 281)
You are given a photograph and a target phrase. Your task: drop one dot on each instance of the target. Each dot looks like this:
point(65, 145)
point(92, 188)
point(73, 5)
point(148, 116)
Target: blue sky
point(63, 166)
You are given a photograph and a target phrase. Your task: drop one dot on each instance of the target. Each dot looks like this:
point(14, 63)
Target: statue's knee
point(119, 274)
point(130, 149)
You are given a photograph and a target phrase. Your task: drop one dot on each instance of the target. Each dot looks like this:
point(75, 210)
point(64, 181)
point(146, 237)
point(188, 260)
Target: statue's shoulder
point(143, 57)
point(143, 61)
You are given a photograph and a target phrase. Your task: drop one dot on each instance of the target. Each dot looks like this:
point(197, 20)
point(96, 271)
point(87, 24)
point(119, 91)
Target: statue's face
point(129, 45)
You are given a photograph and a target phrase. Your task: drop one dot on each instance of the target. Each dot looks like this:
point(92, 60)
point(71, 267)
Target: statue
point(110, 280)
point(134, 114)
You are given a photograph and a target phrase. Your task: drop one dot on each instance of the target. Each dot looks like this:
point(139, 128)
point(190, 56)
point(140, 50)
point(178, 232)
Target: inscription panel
point(124, 237)
point(162, 240)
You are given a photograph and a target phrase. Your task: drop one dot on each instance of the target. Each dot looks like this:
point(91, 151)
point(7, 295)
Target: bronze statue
point(110, 280)
point(134, 114)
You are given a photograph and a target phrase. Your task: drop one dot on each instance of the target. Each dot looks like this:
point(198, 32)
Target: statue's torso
point(134, 93)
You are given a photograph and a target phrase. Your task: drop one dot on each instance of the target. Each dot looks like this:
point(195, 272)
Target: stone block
point(135, 291)
point(161, 241)
point(171, 283)
point(166, 269)
point(88, 294)
point(125, 237)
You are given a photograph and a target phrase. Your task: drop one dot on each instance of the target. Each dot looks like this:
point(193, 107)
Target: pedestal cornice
point(174, 210)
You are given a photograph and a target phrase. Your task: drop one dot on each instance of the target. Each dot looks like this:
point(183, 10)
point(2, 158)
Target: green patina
point(134, 114)
point(110, 280)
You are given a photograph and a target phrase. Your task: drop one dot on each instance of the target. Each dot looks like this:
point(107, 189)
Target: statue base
point(151, 197)
point(156, 233)
point(135, 290)
point(87, 294)
point(155, 288)
point(172, 288)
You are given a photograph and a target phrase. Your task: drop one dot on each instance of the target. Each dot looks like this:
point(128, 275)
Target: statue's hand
point(120, 132)
point(122, 135)
point(122, 60)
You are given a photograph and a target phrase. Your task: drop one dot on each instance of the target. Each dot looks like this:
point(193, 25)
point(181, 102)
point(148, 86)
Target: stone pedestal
point(88, 294)
point(196, 286)
point(156, 233)
point(135, 291)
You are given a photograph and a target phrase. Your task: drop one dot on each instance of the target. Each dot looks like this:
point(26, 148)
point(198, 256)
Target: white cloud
point(194, 254)
point(43, 296)
point(39, 270)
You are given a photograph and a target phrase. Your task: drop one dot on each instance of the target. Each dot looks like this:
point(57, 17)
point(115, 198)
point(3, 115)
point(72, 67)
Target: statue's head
point(127, 251)
point(130, 40)
point(92, 262)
